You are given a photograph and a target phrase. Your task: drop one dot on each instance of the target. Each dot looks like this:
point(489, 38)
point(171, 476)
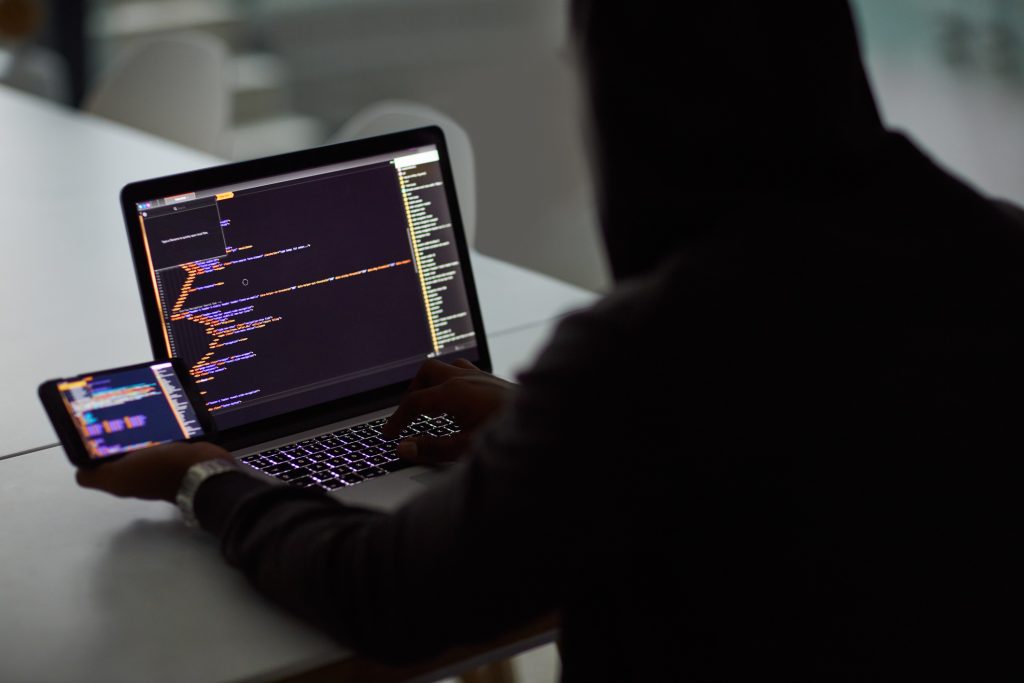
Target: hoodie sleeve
point(480, 552)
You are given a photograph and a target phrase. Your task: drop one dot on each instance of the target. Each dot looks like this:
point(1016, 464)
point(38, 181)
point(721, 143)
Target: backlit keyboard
point(344, 457)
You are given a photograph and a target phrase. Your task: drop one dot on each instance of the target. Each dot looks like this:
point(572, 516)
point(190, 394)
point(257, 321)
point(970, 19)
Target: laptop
point(303, 292)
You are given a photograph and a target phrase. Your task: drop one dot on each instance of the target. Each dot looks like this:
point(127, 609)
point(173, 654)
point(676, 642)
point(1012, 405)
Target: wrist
point(194, 476)
point(180, 460)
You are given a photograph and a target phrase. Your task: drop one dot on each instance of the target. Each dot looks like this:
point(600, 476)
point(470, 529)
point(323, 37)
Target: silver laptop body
point(303, 292)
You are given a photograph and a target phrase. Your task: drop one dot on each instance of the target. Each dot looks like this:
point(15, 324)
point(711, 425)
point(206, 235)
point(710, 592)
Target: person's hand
point(460, 389)
point(153, 473)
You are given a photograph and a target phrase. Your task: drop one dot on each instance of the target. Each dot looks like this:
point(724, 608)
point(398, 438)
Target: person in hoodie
point(782, 448)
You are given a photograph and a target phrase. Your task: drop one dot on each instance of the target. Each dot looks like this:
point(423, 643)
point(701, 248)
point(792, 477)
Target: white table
point(71, 302)
point(94, 588)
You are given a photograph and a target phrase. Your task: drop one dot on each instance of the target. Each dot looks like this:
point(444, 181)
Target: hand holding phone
point(151, 474)
point(100, 416)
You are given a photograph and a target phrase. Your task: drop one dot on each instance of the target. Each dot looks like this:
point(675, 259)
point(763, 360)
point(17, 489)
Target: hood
point(702, 111)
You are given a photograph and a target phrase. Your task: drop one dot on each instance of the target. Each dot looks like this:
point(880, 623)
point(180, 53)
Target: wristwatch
point(195, 476)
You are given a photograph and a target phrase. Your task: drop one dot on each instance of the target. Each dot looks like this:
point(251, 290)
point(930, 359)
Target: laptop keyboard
point(344, 457)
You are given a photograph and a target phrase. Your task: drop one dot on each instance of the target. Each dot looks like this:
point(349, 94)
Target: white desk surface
point(97, 588)
point(94, 588)
point(71, 302)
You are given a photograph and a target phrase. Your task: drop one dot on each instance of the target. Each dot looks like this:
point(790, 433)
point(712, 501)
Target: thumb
point(86, 478)
point(429, 449)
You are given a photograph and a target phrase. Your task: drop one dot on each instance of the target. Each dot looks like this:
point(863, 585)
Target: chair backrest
point(391, 116)
point(37, 70)
point(176, 86)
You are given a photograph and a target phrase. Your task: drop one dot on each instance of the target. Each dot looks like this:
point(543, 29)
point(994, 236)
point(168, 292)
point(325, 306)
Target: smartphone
point(102, 415)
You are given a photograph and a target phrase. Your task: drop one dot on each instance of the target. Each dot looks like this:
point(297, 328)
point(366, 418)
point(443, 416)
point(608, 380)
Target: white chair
point(391, 116)
point(37, 70)
point(176, 86)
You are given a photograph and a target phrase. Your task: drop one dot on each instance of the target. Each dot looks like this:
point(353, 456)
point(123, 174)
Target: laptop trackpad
point(392, 491)
point(430, 475)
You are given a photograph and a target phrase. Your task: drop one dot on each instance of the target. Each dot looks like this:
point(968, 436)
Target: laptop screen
point(289, 291)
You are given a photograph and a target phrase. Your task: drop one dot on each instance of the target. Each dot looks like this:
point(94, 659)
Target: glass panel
point(951, 73)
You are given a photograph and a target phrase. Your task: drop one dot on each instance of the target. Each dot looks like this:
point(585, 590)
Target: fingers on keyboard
point(346, 456)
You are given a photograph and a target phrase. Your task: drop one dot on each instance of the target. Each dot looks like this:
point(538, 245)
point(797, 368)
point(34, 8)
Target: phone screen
point(124, 410)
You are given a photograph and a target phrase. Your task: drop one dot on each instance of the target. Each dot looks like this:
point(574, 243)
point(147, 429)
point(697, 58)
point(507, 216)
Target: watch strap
point(190, 483)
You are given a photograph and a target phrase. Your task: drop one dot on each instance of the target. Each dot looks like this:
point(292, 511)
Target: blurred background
point(290, 74)
point(247, 78)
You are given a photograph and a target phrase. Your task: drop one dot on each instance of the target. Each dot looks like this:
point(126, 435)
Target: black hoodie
point(732, 101)
point(783, 449)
